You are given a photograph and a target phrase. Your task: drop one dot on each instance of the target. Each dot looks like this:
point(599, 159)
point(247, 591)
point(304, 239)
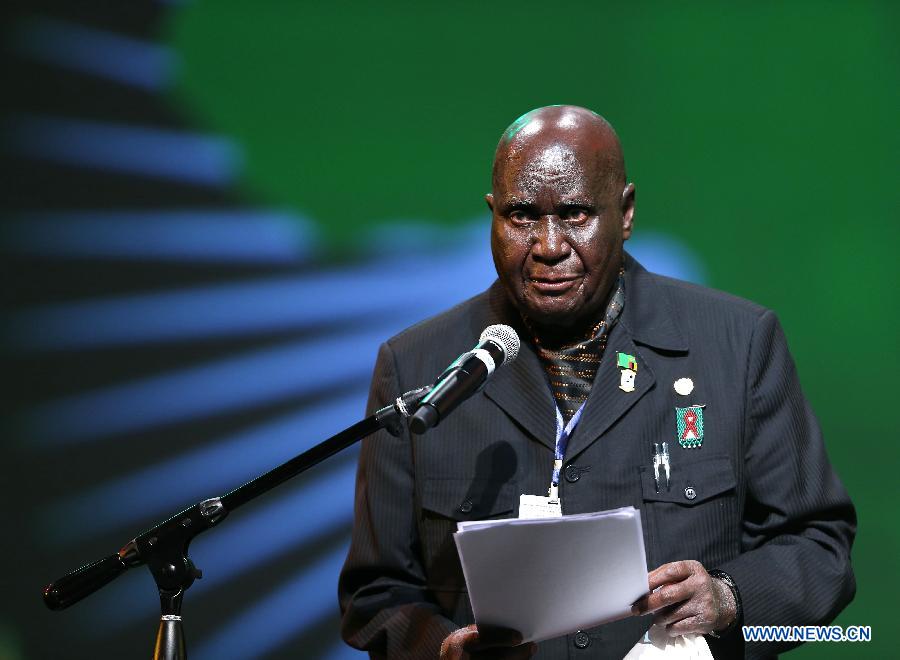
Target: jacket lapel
point(607, 402)
point(520, 388)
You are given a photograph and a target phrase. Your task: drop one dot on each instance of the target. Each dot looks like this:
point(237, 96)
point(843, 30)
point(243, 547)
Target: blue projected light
point(237, 383)
point(141, 150)
point(193, 475)
point(228, 385)
point(264, 305)
point(411, 283)
point(100, 53)
point(341, 651)
point(275, 618)
point(207, 235)
point(273, 526)
point(666, 255)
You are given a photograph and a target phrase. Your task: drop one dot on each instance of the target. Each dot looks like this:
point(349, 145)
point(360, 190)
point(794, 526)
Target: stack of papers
point(548, 577)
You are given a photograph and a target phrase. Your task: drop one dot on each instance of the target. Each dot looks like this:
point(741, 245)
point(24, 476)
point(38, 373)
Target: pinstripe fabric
point(768, 508)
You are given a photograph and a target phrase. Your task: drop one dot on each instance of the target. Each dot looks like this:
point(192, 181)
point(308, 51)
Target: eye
point(520, 218)
point(575, 216)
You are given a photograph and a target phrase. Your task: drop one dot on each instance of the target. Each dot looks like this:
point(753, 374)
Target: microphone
point(497, 345)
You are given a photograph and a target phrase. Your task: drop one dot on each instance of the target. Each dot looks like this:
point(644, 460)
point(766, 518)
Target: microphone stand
point(164, 548)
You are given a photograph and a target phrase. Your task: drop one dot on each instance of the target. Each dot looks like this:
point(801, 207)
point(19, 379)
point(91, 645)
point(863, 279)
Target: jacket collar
point(647, 314)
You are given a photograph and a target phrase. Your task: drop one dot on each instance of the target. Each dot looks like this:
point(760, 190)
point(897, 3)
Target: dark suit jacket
point(768, 508)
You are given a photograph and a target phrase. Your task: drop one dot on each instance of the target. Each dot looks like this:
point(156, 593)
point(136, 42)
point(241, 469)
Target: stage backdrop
point(216, 211)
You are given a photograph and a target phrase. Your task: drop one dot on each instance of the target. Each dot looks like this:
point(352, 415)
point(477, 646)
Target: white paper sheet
point(548, 577)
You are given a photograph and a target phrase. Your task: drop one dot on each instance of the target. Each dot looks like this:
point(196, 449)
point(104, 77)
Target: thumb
point(454, 644)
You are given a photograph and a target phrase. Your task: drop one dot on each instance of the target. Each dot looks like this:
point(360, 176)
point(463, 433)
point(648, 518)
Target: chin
point(552, 318)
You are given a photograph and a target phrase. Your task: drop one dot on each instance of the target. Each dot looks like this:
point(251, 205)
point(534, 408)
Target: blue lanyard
point(563, 433)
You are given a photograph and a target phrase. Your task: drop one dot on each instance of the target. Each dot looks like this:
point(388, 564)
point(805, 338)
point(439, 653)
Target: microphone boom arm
point(164, 548)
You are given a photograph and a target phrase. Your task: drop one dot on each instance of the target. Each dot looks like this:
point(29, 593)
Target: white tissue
point(662, 647)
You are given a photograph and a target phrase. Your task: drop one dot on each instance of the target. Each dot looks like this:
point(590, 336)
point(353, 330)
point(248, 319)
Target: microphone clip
point(403, 407)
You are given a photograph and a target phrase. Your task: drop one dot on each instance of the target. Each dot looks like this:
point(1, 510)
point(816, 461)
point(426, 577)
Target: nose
point(549, 241)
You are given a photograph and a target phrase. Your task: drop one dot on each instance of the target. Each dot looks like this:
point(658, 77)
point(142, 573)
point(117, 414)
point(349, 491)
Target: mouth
point(553, 284)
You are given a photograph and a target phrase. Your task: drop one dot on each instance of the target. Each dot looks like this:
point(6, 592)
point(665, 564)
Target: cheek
point(510, 249)
point(596, 247)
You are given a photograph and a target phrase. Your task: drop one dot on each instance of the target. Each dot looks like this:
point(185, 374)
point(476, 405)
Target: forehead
point(558, 166)
point(552, 163)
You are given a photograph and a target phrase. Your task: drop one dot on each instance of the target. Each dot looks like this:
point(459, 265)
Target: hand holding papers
point(551, 576)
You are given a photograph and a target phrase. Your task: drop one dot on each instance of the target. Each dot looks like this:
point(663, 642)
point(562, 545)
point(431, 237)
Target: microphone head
point(505, 337)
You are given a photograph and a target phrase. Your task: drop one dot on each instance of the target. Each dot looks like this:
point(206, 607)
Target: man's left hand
point(687, 600)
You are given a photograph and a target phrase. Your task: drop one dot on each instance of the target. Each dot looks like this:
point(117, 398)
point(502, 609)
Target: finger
point(694, 624)
point(665, 574)
point(675, 613)
point(672, 572)
point(639, 606)
point(666, 595)
point(698, 602)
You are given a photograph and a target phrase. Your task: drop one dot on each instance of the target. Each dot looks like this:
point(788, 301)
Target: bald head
point(562, 128)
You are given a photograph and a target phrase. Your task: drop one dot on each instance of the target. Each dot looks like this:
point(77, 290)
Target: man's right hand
point(497, 643)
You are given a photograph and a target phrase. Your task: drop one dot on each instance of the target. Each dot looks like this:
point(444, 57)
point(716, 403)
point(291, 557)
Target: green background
point(763, 135)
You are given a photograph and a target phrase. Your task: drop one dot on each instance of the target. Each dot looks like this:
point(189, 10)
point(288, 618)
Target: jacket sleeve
point(385, 605)
point(799, 522)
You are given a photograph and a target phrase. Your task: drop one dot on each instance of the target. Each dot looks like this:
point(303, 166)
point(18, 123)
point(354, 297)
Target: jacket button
point(582, 640)
point(690, 493)
point(573, 474)
point(466, 506)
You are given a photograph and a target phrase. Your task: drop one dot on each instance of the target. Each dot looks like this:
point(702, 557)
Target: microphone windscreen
point(505, 337)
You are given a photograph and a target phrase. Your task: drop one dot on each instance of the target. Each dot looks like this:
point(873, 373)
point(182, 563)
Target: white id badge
point(537, 506)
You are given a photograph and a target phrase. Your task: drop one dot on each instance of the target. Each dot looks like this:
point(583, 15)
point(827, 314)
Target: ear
point(489, 198)
point(627, 211)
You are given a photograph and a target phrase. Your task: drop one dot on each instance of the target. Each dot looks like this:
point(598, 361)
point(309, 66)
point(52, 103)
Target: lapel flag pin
point(628, 365)
point(684, 386)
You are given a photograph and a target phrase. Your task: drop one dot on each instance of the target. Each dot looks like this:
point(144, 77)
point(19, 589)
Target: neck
point(553, 337)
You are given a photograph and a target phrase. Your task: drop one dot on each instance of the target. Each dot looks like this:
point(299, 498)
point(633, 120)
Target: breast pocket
point(447, 501)
point(697, 516)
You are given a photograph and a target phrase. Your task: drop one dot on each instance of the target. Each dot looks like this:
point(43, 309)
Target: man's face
point(559, 220)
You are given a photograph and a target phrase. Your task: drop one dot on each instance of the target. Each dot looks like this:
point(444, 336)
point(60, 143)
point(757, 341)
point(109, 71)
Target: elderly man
point(754, 526)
